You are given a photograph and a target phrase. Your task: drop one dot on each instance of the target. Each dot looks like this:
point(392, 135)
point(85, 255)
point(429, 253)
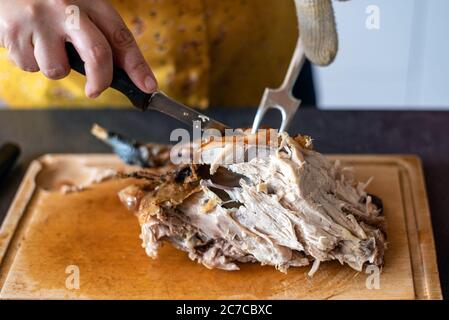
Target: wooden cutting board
point(52, 242)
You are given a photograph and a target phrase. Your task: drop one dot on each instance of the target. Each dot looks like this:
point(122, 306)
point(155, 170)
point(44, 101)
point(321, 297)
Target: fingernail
point(150, 84)
point(55, 73)
point(93, 95)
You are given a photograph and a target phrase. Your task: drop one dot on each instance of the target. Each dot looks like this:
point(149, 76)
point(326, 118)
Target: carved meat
point(287, 206)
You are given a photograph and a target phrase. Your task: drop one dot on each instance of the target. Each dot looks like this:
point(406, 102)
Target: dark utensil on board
point(9, 152)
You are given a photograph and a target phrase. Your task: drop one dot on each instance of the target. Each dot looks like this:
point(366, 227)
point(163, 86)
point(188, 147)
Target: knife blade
point(157, 101)
point(162, 103)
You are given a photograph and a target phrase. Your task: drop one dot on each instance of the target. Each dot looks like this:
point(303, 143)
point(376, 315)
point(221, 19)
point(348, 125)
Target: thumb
point(317, 30)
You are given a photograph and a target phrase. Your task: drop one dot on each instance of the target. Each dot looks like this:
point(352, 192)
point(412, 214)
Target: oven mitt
point(318, 31)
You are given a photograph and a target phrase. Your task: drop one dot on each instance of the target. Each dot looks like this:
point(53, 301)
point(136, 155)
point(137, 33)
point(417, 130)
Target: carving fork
point(282, 98)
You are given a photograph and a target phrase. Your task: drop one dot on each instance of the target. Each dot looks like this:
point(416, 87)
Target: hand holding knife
point(157, 101)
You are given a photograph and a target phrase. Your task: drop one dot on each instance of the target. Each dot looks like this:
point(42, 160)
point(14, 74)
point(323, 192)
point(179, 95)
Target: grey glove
point(317, 30)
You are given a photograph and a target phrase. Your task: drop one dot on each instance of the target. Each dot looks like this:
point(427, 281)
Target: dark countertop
point(421, 133)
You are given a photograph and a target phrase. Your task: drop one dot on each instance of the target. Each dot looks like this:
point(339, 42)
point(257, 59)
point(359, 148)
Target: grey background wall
point(402, 65)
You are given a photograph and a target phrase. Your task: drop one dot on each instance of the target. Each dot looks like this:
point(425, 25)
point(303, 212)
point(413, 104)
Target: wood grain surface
point(46, 233)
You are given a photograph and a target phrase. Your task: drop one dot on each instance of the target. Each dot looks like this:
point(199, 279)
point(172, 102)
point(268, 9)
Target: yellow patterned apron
point(203, 52)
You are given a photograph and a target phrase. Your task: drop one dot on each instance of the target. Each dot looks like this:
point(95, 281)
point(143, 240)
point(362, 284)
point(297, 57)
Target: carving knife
point(157, 101)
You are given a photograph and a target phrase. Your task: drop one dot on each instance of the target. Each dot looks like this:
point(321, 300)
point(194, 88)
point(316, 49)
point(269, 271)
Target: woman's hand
point(317, 30)
point(35, 32)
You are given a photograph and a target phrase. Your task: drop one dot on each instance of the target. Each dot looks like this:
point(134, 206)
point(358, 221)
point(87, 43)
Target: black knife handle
point(120, 79)
point(9, 153)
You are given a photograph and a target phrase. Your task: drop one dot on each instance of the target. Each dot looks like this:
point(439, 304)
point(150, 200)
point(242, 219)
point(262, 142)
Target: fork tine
point(282, 98)
point(278, 99)
point(261, 111)
point(287, 117)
